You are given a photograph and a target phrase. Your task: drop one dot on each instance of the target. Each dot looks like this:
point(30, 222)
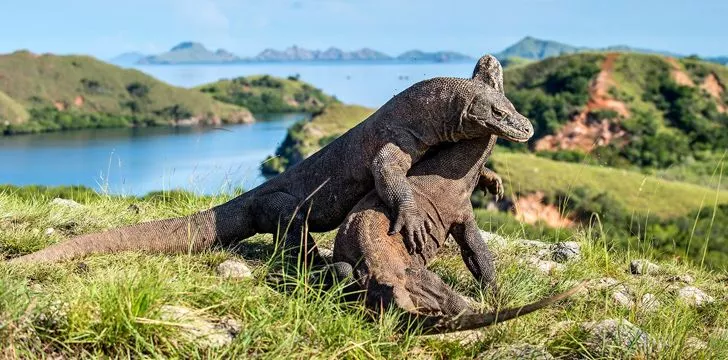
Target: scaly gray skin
point(442, 184)
point(376, 154)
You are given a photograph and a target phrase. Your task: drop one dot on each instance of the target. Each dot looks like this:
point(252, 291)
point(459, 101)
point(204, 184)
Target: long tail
point(194, 233)
point(441, 324)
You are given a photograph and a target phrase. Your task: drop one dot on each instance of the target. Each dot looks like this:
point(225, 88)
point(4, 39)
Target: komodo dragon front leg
point(491, 182)
point(389, 170)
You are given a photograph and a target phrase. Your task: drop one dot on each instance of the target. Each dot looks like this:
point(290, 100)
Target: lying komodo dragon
point(382, 266)
point(376, 154)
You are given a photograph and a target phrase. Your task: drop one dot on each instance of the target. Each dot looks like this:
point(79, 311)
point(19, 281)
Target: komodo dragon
point(389, 275)
point(381, 264)
point(376, 154)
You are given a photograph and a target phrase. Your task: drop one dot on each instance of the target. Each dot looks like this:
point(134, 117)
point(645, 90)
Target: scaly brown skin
point(381, 263)
point(376, 154)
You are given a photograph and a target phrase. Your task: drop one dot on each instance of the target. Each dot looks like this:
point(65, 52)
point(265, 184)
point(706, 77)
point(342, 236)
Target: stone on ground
point(234, 269)
point(65, 202)
point(692, 296)
point(520, 351)
point(614, 336)
point(566, 251)
point(643, 267)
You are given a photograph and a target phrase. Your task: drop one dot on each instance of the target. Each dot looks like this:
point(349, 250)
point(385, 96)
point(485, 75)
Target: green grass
point(644, 194)
point(111, 306)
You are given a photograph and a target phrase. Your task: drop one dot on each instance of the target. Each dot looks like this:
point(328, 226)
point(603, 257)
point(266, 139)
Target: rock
point(533, 244)
point(685, 278)
point(643, 267)
point(464, 338)
point(493, 239)
point(134, 208)
point(198, 329)
point(65, 202)
point(49, 231)
point(693, 345)
point(650, 303)
point(622, 298)
point(692, 296)
point(520, 351)
point(604, 283)
point(545, 266)
point(720, 334)
point(234, 269)
point(607, 337)
point(565, 251)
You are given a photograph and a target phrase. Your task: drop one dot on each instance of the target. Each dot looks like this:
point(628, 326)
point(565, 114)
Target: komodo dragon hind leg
point(287, 223)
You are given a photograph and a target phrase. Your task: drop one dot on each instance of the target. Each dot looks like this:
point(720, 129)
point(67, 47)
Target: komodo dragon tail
point(441, 324)
point(194, 233)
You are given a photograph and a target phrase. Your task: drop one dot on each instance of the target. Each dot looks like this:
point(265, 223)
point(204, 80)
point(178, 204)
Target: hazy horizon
point(105, 29)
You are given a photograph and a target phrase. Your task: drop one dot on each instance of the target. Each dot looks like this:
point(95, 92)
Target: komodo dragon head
point(490, 109)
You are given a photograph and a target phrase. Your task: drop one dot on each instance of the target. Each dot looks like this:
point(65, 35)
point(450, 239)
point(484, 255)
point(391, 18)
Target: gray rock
point(623, 299)
point(545, 266)
point(198, 329)
point(693, 345)
point(692, 296)
point(234, 269)
point(65, 202)
point(464, 338)
point(565, 251)
point(534, 245)
point(519, 351)
point(604, 283)
point(643, 267)
point(614, 336)
point(49, 231)
point(650, 303)
point(493, 239)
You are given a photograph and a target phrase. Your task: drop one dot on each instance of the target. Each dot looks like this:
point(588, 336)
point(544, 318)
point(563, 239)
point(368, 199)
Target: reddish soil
point(582, 133)
point(78, 101)
point(712, 86)
point(531, 209)
point(677, 73)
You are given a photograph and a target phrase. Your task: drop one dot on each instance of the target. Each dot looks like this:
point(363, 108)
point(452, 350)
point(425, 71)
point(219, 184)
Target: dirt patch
point(531, 208)
point(78, 101)
point(678, 75)
point(60, 105)
point(584, 132)
point(712, 86)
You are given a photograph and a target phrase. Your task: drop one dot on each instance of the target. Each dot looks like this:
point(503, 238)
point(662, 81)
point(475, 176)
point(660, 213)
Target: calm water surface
point(136, 161)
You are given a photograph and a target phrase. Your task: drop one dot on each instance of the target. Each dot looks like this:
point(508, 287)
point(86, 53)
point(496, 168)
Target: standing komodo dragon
point(376, 154)
point(442, 184)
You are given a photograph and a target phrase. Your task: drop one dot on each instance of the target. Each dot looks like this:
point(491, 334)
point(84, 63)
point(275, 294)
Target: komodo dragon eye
point(499, 114)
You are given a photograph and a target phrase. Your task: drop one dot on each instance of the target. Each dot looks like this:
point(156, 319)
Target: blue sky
point(106, 28)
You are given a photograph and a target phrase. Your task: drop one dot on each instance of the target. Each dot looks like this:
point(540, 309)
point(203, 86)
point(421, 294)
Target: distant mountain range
point(195, 53)
point(527, 49)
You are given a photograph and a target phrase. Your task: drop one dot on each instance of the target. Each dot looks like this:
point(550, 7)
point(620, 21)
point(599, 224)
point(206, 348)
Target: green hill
point(268, 94)
point(537, 49)
point(628, 109)
point(68, 92)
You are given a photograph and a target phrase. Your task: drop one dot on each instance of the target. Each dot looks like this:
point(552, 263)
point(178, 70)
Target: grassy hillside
point(64, 92)
point(11, 112)
point(268, 94)
point(305, 138)
point(628, 109)
point(115, 305)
